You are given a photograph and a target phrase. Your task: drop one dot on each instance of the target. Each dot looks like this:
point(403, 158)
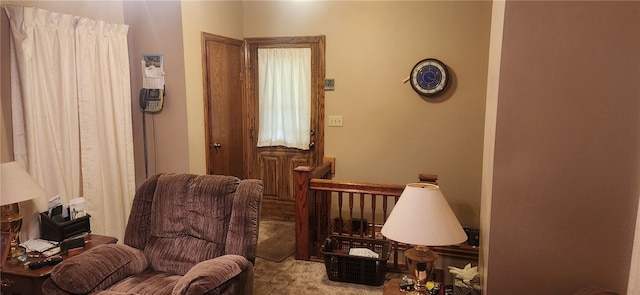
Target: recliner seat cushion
point(207, 276)
point(149, 282)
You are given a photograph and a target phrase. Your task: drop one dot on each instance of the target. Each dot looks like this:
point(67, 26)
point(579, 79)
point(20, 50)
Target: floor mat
point(277, 247)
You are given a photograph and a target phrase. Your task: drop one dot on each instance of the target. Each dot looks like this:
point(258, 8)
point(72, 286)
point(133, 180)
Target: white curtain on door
point(284, 97)
point(71, 108)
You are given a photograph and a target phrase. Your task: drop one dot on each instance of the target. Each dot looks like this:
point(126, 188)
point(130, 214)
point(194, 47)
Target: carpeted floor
point(298, 277)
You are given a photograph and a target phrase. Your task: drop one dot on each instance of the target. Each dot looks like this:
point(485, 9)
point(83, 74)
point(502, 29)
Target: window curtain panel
point(71, 109)
point(284, 97)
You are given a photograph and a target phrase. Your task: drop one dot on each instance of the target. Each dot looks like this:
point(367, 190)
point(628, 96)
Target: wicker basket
point(342, 267)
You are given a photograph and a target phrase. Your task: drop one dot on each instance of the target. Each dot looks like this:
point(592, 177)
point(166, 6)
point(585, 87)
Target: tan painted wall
point(579, 142)
point(154, 28)
point(567, 172)
point(109, 11)
point(390, 134)
point(173, 28)
point(216, 17)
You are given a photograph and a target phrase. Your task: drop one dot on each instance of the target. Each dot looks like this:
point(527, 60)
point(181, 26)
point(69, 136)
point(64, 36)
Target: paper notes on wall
point(152, 71)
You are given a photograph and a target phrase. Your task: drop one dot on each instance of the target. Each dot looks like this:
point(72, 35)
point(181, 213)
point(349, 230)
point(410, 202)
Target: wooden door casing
point(223, 63)
point(274, 165)
point(232, 111)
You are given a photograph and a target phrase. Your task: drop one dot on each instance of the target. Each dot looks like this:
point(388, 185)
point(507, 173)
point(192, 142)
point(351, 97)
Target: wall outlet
point(335, 121)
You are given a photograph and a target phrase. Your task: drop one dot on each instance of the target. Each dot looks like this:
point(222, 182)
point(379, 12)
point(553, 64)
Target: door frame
point(317, 44)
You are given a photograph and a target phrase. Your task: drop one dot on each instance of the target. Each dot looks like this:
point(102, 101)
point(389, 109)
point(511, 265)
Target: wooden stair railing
point(314, 194)
point(309, 208)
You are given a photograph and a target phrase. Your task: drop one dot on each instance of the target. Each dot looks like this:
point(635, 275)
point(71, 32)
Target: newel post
point(301, 177)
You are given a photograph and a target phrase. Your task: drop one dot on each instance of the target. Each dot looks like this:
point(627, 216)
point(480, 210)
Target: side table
point(16, 279)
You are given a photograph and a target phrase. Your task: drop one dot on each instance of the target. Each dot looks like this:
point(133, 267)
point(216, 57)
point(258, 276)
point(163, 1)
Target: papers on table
point(37, 245)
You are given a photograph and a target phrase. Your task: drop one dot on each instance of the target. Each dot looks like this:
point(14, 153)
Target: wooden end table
point(17, 279)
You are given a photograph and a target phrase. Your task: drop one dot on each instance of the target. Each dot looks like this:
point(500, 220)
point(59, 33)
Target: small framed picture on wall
point(5, 245)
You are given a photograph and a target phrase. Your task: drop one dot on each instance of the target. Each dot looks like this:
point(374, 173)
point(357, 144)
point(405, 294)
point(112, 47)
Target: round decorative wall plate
point(429, 77)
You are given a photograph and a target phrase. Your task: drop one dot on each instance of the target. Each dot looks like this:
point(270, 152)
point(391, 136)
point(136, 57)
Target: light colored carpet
point(298, 277)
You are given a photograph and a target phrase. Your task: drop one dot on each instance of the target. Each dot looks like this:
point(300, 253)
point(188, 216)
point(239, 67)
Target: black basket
point(342, 267)
point(57, 231)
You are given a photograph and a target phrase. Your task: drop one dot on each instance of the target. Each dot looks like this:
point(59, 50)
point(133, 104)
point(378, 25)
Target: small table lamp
point(422, 217)
point(16, 186)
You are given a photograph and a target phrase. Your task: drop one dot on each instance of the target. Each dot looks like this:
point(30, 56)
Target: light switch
point(335, 121)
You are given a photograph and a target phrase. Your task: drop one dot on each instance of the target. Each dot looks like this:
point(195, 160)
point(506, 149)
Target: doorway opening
point(231, 71)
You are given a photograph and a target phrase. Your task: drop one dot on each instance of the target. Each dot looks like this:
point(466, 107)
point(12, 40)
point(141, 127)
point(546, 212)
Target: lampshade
point(422, 216)
point(17, 185)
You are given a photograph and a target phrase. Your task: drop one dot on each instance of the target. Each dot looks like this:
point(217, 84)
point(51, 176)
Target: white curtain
point(284, 97)
point(71, 107)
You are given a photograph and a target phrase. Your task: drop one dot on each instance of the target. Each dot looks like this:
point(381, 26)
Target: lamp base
point(11, 221)
point(420, 261)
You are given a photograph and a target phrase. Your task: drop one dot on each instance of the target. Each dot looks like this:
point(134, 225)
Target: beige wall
point(222, 18)
point(565, 179)
point(109, 11)
point(390, 134)
point(175, 136)
point(154, 28)
point(566, 173)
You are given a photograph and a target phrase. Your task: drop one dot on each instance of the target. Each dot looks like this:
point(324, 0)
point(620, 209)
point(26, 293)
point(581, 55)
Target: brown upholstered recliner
point(187, 234)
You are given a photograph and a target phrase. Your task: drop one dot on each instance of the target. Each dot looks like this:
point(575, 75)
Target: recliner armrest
point(98, 268)
point(210, 274)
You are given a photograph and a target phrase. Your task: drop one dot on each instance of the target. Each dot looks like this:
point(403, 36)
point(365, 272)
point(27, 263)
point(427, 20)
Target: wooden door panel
point(276, 171)
point(269, 171)
point(223, 68)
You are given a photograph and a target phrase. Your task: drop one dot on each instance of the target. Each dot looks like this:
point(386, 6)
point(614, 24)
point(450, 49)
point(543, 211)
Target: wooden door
point(274, 165)
point(223, 75)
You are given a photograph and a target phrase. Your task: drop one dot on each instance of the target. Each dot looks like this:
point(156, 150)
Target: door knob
point(216, 145)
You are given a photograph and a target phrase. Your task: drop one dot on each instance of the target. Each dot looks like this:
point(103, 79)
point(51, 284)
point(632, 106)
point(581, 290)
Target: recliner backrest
point(179, 220)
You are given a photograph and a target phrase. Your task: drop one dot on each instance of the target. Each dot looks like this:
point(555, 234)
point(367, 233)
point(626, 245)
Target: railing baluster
point(361, 215)
point(340, 219)
point(374, 200)
point(350, 214)
point(329, 229)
